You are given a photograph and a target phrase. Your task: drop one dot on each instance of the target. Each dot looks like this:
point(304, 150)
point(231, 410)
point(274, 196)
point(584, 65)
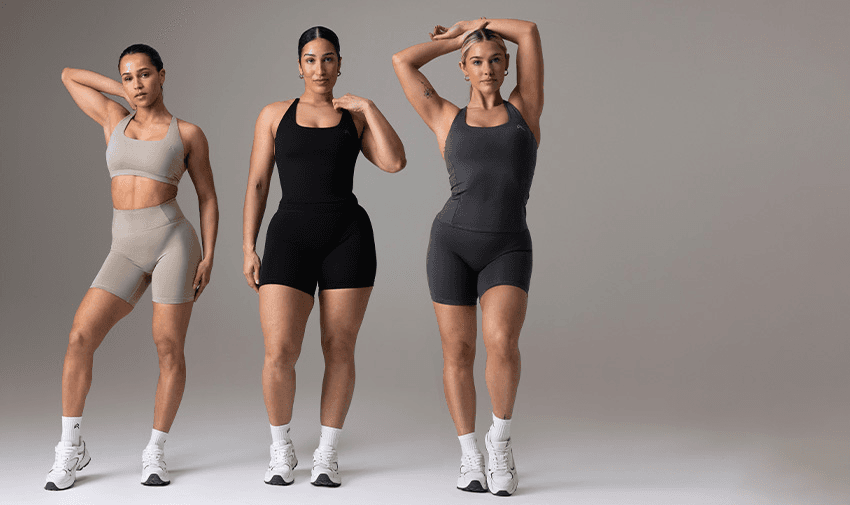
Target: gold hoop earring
point(466, 78)
point(338, 73)
point(300, 76)
point(506, 72)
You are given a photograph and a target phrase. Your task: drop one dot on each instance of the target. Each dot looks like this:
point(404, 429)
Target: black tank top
point(316, 165)
point(490, 170)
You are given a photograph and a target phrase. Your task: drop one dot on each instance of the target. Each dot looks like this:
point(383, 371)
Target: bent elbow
point(66, 74)
point(398, 164)
point(397, 60)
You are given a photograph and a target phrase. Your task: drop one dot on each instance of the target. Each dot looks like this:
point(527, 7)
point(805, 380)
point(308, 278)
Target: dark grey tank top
point(490, 171)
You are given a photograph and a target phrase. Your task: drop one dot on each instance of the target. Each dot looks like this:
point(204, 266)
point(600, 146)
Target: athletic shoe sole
point(154, 480)
point(277, 480)
point(53, 487)
point(324, 481)
point(474, 487)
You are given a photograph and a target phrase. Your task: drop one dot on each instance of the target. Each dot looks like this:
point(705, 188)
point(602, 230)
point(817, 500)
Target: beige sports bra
point(160, 160)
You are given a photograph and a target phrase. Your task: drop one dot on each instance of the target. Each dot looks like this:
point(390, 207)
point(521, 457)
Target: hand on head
point(461, 28)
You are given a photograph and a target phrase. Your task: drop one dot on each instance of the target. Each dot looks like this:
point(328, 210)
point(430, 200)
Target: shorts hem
point(358, 286)
point(112, 292)
point(445, 301)
point(524, 288)
point(172, 301)
point(279, 283)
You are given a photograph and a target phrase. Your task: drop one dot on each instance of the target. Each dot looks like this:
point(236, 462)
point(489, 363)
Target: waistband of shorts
point(135, 220)
point(319, 207)
point(440, 223)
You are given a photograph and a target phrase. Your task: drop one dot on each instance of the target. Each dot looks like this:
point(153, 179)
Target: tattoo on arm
point(429, 92)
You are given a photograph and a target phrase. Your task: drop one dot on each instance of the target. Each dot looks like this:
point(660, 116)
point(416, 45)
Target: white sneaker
point(154, 472)
point(69, 459)
point(283, 461)
point(325, 468)
point(471, 476)
point(501, 472)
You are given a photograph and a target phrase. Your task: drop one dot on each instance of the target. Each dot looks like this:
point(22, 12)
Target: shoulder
point(190, 132)
point(271, 116)
point(526, 113)
point(192, 136)
point(274, 110)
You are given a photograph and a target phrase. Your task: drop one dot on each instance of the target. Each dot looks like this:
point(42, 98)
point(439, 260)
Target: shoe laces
point(281, 453)
point(324, 457)
point(63, 455)
point(473, 461)
point(499, 459)
point(153, 457)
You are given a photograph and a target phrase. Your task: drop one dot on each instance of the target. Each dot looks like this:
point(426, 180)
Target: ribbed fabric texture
point(329, 437)
point(71, 429)
point(468, 444)
point(280, 434)
point(158, 439)
point(501, 429)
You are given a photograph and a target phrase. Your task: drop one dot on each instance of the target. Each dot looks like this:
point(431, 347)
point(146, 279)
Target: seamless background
point(687, 332)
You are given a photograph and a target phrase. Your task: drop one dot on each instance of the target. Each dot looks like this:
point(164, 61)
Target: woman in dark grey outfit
point(480, 245)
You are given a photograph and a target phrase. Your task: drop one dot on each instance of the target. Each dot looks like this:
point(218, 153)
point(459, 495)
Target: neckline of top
point(295, 118)
point(504, 103)
point(131, 116)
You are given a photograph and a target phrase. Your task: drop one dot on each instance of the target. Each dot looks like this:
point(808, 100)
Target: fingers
point(200, 282)
point(253, 280)
point(440, 32)
point(251, 271)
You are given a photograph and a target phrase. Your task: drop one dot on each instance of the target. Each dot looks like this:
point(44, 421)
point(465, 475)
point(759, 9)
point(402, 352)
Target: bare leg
point(458, 329)
point(283, 315)
point(503, 312)
point(96, 315)
point(342, 312)
point(170, 322)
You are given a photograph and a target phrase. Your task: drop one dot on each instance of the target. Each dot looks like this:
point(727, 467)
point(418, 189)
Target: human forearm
point(93, 80)
point(252, 214)
point(208, 209)
point(512, 30)
point(420, 54)
point(384, 141)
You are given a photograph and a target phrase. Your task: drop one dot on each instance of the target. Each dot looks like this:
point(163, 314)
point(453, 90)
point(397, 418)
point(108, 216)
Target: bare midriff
point(134, 192)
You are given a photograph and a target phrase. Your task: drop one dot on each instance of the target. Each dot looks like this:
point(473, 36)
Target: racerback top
point(316, 165)
point(160, 160)
point(490, 171)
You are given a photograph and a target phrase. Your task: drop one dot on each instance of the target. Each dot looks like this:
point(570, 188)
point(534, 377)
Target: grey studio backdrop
point(686, 336)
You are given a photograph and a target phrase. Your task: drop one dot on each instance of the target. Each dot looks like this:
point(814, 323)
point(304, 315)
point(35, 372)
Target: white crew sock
point(71, 429)
point(280, 434)
point(468, 444)
point(329, 437)
point(158, 439)
point(501, 429)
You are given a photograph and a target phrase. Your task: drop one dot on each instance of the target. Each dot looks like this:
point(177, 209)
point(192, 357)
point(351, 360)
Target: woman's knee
point(171, 355)
point(339, 346)
point(81, 341)
point(282, 355)
point(460, 354)
point(502, 344)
